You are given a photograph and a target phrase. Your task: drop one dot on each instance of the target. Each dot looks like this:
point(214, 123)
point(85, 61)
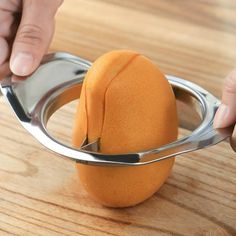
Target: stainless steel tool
point(58, 81)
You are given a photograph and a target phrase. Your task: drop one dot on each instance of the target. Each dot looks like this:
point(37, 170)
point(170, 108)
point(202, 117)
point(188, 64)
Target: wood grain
point(40, 193)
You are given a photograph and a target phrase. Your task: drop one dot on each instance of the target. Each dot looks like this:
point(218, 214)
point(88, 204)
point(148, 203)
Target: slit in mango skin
point(128, 103)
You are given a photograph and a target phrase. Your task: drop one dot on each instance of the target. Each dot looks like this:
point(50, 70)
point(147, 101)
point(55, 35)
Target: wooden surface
point(40, 193)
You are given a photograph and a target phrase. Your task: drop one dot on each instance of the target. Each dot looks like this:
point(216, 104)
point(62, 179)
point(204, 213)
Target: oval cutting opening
point(60, 123)
point(60, 114)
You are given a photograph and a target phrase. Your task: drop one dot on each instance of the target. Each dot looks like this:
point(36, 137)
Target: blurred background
point(195, 40)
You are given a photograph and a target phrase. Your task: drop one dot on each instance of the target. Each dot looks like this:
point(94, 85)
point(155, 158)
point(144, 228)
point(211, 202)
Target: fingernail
point(22, 64)
point(220, 116)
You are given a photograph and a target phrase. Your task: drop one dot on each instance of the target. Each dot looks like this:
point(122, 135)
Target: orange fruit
point(128, 104)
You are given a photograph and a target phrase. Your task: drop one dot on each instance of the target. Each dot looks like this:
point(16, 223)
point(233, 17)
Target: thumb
point(33, 36)
point(226, 113)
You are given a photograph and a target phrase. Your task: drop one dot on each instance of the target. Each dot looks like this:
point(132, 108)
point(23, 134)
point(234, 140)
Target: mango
point(127, 103)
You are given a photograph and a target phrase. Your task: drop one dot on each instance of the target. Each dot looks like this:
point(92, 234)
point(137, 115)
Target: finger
point(4, 49)
point(226, 114)
point(6, 19)
point(233, 139)
point(4, 70)
point(10, 15)
point(33, 36)
point(10, 6)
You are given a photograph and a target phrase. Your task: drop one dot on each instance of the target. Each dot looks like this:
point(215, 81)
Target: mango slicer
point(58, 81)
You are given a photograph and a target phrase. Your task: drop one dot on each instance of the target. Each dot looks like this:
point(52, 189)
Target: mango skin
point(128, 103)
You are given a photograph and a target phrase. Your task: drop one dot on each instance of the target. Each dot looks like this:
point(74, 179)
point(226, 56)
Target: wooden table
point(40, 193)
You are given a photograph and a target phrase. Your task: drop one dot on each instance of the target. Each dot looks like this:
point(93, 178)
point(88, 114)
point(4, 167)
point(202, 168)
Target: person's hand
point(226, 114)
point(26, 30)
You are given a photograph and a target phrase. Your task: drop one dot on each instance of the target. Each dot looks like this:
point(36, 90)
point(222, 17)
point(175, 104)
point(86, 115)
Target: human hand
point(226, 114)
point(26, 30)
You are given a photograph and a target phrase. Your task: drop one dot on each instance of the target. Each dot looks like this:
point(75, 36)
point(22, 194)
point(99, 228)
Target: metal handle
point(58, 80)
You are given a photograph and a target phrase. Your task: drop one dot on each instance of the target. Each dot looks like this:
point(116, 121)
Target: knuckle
point(30, 34)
